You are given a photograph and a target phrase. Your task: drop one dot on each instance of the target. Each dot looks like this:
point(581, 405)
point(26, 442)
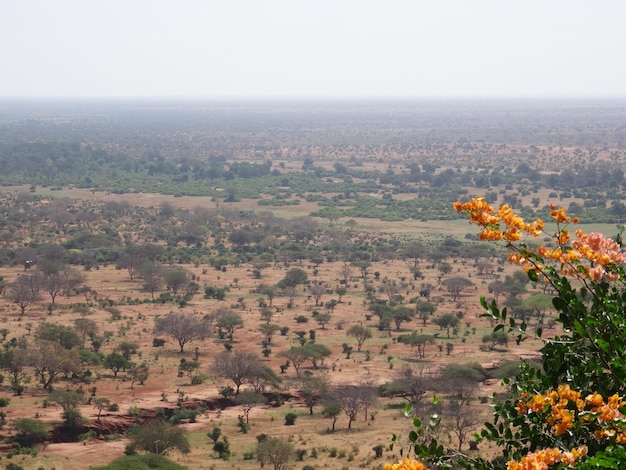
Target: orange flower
point(405, 464)
point(543, 459)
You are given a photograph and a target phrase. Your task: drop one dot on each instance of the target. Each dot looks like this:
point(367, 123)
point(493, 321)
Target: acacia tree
point(183, 327)
point(175, 279)
point(332, 410)
point(159, 437)
point(268, 330)
point(293, 278)
point(313, 389)
point(49, 359)
point(411, 385)
point(456, 285)
point(23, 292)
point(116, 362)
point(361, 334)
point(446, 321)
point(238, 366)
point(297, 356)
point(317, 291)
point(152, 275)
point(227, 324)
point(275, 451)
point(353, 399)
point(248, 399)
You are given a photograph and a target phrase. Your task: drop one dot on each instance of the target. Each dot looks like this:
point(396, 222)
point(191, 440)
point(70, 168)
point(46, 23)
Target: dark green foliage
point(141, 462)
point(159, 437)
point(290, 418)
point(29, 431)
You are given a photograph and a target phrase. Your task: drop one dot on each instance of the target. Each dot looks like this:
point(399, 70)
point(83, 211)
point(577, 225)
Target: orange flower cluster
point(482, 214)
point(557, 403)
point(590, 256)
point(405, 464)
point(564, 405)
point(543, 459)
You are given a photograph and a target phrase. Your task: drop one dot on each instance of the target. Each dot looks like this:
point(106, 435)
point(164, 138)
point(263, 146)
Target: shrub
point(290, 419)
point(113, 407)
point(29, 431)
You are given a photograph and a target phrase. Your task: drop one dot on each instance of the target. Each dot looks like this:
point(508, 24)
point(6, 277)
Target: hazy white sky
point(313, 48)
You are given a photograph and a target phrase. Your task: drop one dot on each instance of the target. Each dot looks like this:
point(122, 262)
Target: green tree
point(141, 462)
point(228, 324)
point(294, 277)
point(116, 362)
point(29, 432)
point(64, 335)
point(159, 437)
point(268, 330)
point(360, 333)
point(332, 411)
point(446, 322)
point(456, 285)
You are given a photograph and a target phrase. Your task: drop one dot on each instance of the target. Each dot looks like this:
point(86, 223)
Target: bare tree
point(183, 327)
point(458, 417)
point(175, 279)
point(23, 292)
point(152, 275)
point(354, 399)
point(248, 399)
point(275, 451)
point(345, 272)
point(238, 366)
point(131, 260)
point(317, 291)
point(314, 388)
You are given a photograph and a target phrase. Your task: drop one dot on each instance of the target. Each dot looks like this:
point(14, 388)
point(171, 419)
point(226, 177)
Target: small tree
point(238, 366)
point(456, 285)
point(361, 333)
point(183, 327)
point(101, 404)
point(332, 411)
point(29, 432)
point(274, 451)
point(116, 362)
point(159, 437)
point(227, 324)
point(23, 292)
point(268, 330)
point(248, 399)
point(446, 321)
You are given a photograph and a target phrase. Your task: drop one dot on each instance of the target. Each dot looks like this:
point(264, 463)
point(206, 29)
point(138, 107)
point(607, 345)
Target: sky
point(312, 48)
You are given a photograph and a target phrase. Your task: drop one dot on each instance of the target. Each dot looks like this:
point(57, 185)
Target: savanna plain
point(287, 273)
